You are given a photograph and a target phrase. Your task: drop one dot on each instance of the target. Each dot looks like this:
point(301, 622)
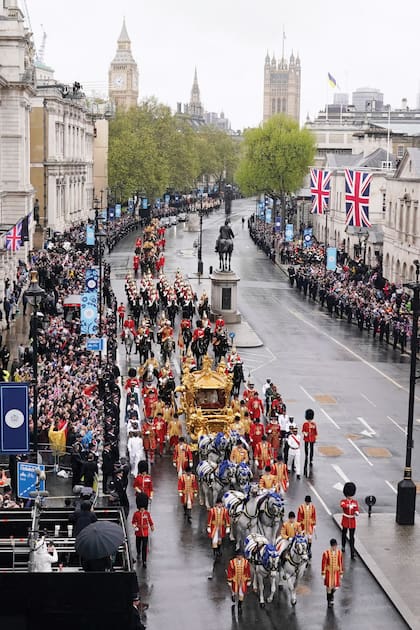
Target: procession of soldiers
point(241, 475)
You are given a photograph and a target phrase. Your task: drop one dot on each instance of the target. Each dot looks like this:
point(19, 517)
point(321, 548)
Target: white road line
point(344, 347)
point(359, 451)
point(368, 427)
point(391, 486)
point(307, 394)
point(264, 365)
point(320, 499)
point(340, 473)
point(402, 429)
point(368, 399)
point(330, 419)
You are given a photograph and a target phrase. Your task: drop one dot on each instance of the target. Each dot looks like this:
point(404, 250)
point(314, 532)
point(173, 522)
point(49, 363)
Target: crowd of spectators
point(354, 292)
point(78, 398)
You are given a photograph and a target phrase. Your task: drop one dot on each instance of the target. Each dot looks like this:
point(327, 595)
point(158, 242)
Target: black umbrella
point(99, 540)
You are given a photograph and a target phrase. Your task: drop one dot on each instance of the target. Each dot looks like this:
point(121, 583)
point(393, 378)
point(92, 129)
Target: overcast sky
point(363, 43)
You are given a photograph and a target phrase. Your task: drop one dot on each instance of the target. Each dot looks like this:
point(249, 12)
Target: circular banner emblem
point(14, 418)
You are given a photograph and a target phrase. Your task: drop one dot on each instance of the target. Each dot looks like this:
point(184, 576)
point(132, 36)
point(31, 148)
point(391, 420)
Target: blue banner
point(91, 280)
point(111, 213)
point(144, 203)
point(90, 234)
point(27, 477)
point(268, 215)
point(331, 258)
point(130, 205)
point(117, 210)
point(167, 198)
point(289, 232)
point(158, 202)
point(307, 237)
point(14, 418)
point(277, 225)
point(89, 314)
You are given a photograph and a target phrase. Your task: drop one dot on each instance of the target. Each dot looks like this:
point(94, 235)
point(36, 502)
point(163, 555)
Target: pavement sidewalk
point(391, 553)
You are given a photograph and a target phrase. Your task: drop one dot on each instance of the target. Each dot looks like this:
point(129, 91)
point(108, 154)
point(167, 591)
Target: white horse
point(214, 449)
point(294, 561)
point(264, 560)
point(243, 477)
point(256, 512)
point(214, 479)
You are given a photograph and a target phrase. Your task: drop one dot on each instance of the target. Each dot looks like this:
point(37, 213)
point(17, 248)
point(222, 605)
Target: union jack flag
point(320, 190)
point(13, 237)
point(357, 198)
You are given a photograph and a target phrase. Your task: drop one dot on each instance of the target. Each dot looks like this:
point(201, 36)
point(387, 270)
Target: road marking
point(273, 358)
point(370, 432)
point(330, 419)
point(339, 486)
point(404, 430)
point(320, 499)
point(391, 486)
point(307, 394)
point(347, 349)
point(368, 399)
point(360, 451)
point(340, 473)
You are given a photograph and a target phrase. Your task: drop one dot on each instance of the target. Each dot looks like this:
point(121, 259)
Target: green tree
point(151, 150)
point(275, 158)
point(218, 154)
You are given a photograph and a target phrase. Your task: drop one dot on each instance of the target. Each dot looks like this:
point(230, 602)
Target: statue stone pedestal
point(193, 224)
point(38, 237)
point(224, 296)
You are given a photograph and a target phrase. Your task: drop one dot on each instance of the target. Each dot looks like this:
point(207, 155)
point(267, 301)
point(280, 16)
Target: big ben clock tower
point(123, 75)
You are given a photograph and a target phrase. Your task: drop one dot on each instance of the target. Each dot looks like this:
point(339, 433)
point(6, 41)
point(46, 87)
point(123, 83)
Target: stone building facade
point(123, 76)
point(282, 81)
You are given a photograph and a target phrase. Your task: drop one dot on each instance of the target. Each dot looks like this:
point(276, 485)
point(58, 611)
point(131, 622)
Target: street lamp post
point(406, 493)
point(100, 236)
point(34, 296)
point(200, 242)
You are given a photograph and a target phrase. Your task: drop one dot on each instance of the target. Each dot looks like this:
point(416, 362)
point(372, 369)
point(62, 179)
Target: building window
point(273, 106)
point(400, 151)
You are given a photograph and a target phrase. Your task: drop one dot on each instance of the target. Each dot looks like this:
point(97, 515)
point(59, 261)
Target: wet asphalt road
point(359, 393)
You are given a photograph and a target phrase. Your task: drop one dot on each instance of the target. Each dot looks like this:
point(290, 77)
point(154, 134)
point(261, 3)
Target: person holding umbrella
point(96, 543)
point(141, 522)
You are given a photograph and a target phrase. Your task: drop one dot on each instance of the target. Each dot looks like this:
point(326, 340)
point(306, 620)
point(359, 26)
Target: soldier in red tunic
point(263, 454)
point(143, 482)
point(218, 525)
point(332, 570)
point(160, 432)
point(273, 434)
point(350, 508)
point(310, 434)
point(255, 434)
point(142, 521)
point(255, 406)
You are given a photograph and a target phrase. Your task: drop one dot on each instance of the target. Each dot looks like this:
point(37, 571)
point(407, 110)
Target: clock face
point(119, 81)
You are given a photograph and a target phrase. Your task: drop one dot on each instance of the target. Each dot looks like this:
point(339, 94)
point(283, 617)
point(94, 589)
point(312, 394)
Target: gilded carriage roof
point(206, 378)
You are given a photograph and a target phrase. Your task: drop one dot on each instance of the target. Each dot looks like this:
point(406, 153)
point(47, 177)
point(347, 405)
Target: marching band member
point(263, 454)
